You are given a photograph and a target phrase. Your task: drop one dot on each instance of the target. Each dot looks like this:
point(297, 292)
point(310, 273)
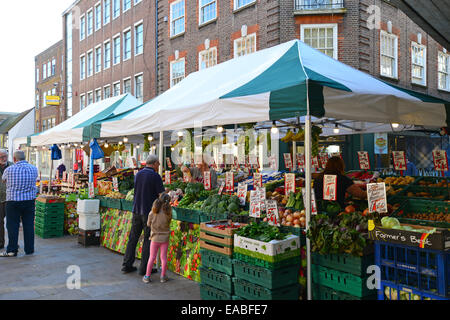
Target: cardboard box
point(272, 248)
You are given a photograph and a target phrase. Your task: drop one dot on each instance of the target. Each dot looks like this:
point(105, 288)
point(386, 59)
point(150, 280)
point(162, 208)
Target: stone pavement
point(43, 276)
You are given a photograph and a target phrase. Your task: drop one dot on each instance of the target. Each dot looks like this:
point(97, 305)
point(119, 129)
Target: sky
point(28, 27)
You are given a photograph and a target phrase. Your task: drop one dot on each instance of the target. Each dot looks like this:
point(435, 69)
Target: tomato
point(350, 209)
point(366, 212)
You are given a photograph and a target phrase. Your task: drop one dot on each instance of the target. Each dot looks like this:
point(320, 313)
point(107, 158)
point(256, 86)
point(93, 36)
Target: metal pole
point(308, 188)
point(50, 178)
point(161, 152)
point(294, 159)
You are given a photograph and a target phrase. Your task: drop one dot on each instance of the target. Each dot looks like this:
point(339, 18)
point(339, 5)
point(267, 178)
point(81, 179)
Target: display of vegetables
point(130, 195)
point(295, 201)
point(115, 195)
point(393, 223)
point(261, 232)
point(221, 204)
point(431, 216)
point(399, 181)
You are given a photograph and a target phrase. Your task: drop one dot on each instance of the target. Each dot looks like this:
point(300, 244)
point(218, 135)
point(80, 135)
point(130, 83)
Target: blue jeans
point(16, 210)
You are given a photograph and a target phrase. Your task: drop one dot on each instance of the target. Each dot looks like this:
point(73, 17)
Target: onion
point(289, 218)
point(296, 221)
point(296, 214)
point(297, 226)
point(289, 224)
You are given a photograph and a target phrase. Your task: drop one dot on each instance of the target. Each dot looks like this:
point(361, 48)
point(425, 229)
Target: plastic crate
point(44, 206)
point(288, 255)
point(127, 205)
point(103, 201)
point(217, 261)
point(422, 206)
point(251, 291)
point(434, 180)
point(186, 215)
point(437, 194)
point(345, 262)
point(300, 232)
point(43, 219)
point(48, 234)
point(325, 293)
point(265, 264)
point(114, 203)
point(267, 278)
point(425, 270)
point(389, 291)
point(341, 281)
point(49, 225)
point(216, 279)
point(236, 298)
point(211, 293)
point(51, 211)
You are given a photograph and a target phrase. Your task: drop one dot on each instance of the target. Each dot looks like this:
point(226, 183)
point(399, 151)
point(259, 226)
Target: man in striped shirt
point(20, 203)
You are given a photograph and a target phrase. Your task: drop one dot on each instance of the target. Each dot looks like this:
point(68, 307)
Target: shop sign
point(329, 187)
point(381, 143)
point(289, 183)
point(242, 193)
point(273, 218)
point(376, 197)
point(399, 160)
point(440, 160)
point(363, 158)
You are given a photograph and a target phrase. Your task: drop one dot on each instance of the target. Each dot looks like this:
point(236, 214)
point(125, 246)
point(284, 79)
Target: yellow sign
point(53, 100)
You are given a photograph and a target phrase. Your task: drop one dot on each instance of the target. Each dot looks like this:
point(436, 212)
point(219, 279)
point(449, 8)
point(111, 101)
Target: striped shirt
point(21, 182)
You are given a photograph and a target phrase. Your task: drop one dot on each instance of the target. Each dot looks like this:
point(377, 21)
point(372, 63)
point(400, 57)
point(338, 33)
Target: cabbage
point(390, 223)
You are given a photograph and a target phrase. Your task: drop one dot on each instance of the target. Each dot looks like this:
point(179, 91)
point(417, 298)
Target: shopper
point(196, 174)
point(20, 197)
point(336, 166)
point(4, 163)
point(159, 222)
point(148, 185)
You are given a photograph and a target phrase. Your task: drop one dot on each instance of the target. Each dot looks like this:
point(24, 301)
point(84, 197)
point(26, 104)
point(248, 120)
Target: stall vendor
point(61, 169)
point(196, 174)
point(336, 166)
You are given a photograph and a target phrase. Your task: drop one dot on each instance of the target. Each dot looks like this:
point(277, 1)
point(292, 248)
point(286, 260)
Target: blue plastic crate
point(389, 291)
point(425, 270)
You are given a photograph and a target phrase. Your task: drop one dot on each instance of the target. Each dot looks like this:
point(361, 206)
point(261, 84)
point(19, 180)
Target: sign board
point(255, 205)
point(207, 180)
point(313, 200)
point(440, 160)
point(257, 180)
point(288, 161)
point(229, 181)
point(273, 163)
point(363, 158)
point(315, 162)
point(329, 187)
point(167, 177)
point(262, 197)
point(242, 193)
point(273, 218)
point(115, 184)
point(222, 186)
point(381, 143)
point(399, 160)
point(376, 197)
point(53, 100)
point(64, 176)
point(169, 163)
point(91, 190)
point(300, 161)
point(289, 183)
point(323, 158)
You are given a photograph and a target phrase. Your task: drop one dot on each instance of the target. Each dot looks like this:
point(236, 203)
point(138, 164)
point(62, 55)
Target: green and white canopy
point(271, 84)
point(78, 128)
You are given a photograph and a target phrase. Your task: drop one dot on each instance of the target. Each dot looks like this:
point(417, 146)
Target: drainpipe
point(156, 47)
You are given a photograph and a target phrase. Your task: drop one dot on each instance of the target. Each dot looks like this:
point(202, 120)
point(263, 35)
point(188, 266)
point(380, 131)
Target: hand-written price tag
point(399, 160)
point(257, 180)
point(376, 196)
point(167, 176)
point(323, 157)
point(169, 163)
point(207, 180)
point(313, 200)
point(255, 205)
point(364, 162)
point(440, 160)
point(289, 183)
point(315, 162)
point(115, 184)
point(329, 187)
point(222, 186)
point(300, 161)
point(273, 163)
point(273, 217)
point(242, 193)
point(229, 181)
point(288, 161)
point(91, 190)
point(64, 176)
point(262, 197)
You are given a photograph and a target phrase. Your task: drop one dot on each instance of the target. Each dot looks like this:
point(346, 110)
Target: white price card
point(329, 187)
point(64, 176)
point(167, 176)
point(315, 162)
point(376, 197)
point(169, 163)
point(91, 190)
point(207, 180)
point(440, 160)
point(300, 160)
point(323, 157)
point(115, 184)
point(255, 205)
point(289, 183)
point(273, 163)
point(399, 160)
point(313, 200)
point(257, 180)
point(363, 158)
point(273, 218)
point(262, 197)
point(229, 181)
point(288, 161)
point(222, 186)
point(242, 193)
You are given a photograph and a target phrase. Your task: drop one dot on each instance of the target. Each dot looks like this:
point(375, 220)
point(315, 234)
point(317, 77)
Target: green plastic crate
point(270, 279)
point(49, 206)
point(438, 194)
point(48, 234)
point(300, 232)
point(49, 220)
point(345, 262)
point(236, 298)
point(325, 293)
point(186, 215)
point(341, 281)
point(103, 201)
point(50, 211)
point(266, 264)
point(251, 291)
point(127, 205)
point(50, 215)
point(216, 261)
point(422, 206)
point(432, 180)
point(114, 203)
point(50, 226)
point(211, 293)
point(271, 259)
point(216, 279)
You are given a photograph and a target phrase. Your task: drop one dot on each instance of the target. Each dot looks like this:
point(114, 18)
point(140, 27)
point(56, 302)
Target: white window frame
point(235, 7)
point(123, 5)
point(447, 73)
point(241, 39)
point(104, 96)
point(104, 54)
point(203, 52)
point(96, 6)
point(101, 59)
point(95, 94)
point(200, 22)
point(87, 22)
point(124, 43)
point(113, 48)
point(171, 73)
point(141, 74)
point(83, 97)
point(84, 71)
point(424, 82)
point(136, 25)
point(181, 17)
point(393, 36)
point(87, 98)
point(83, 35)
point(112, 6)
point(131, 85)
point(104, 10)
point(113, 89)
point(325, 25)
point(87, 63)
point(137, 2)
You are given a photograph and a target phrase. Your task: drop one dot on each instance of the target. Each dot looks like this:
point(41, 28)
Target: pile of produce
point(221, 204)
point(295, 201)
point(227, 226)
point(176, 185)
point(437, 216)
point(392, 294)
point(398, 181)
point(424, 194)
point(115, 195)
point(261, 232)
point(104, 187)
point(393, 223)
point(192, 193)
point(126, 182)
point(440, 184)
point(291, 218)
point(130, 195)
point(361, 175)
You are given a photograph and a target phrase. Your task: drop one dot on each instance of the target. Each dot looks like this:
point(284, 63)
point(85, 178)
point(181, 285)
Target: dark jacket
point(3, 183)
point(148, 185)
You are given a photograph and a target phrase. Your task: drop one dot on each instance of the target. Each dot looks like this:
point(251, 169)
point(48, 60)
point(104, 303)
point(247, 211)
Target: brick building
point(48, 83)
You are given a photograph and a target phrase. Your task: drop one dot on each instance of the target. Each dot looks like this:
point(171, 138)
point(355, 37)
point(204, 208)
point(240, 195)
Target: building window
point(241, 3)
point(177, 71)
point(136, 2)
point(44, 71)
point(117, 50)
point(418, 64)
point(127, 45)
point(82, 28)
point(49, 69)
point(139, 87)
point(208, 10)
point(321, 37)
point(107, 92)
point(139, 39)
point(116, 88)
point(116, 8)
point(443, 71)
point(176, 18)
point(126, 5)
point(98, 59)
point(207, 58)
point(127, 86)
point(389, 55)
point(82, 102)
point(98, 95)
point(37, 74)
point(90, 98)
point(82, 67)
point(53, 66)
point(107, 53)
point(245, 45)
point(106, 11)
point(37, 101)
point(90, 22)
point(90, 63)
point(98, 17)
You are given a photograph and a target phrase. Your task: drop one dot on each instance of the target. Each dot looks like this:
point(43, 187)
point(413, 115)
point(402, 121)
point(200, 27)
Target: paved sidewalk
point(43, 276)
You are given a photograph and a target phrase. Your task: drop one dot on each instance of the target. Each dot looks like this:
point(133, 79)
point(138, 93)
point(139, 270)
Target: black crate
point(89, 238)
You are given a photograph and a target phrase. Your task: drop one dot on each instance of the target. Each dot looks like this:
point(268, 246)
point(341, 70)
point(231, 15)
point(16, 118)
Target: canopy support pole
point(50, 174)
point(91, 168)
point(308, 188)
point(294, 159)
point(161, 152)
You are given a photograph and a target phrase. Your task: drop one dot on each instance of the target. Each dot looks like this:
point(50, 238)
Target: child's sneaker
point(146, 279)
point(164, 279)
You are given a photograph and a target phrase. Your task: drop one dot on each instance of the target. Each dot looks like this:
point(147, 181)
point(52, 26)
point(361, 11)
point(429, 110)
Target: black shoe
point(2, 247)
point(8, 254)
point(142, 273)
point(128, 269)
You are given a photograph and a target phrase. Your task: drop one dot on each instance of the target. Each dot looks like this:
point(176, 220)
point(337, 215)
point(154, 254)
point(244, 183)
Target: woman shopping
point(197, 174)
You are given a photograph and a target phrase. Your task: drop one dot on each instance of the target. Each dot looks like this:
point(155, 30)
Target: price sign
point(313, 200)
point(64, 176)
point(222, 186)
point(289, 183)
point(273, 218)
point(323, 160)
point(255, 205)
point(440, 160)
point(207, 180)
point(115, 184)
point(242, 193)
point(315, 162)
point(91, 190)
point(288, 161)
point(257, 180)
point(399, 160)
point(329, 187)
point(300, 161)
point(364, 162)
point(376, 196)
point(169, 163)
point(262, 197)
point(273, 163)
point(229, 181)
point(168, 177)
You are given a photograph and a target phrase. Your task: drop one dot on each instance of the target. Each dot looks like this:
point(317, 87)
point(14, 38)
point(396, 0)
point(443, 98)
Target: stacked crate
point(89, 222)
point(49, 218)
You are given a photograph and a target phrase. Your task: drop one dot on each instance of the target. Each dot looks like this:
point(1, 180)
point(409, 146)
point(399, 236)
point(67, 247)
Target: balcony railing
point(300, 5)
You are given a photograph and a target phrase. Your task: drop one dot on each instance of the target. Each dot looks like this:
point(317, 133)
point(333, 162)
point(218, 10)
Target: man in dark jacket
point(148, 185)
point(4, 163)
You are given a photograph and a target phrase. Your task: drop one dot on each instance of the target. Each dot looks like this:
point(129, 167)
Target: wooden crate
point(50, 200)
point(217, 238)
point(208, 245)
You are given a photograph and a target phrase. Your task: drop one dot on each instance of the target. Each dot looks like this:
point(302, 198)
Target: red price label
point(329, 187)
point(229, 181)
point(169, 163)
point(399, 160)
point(376, 197)
point(300, 161)
point(257, 180)
point(115, 184)
point(440, 160)
point(91, 190)
point(273, 163)
point(222, 186)
point(64, 176)
point(288, 161)
point(242, 193)
point(315, 162)
point(255, 205)
point(289, 183)
point(207, 180)
point(273, 218)
point(363, 158)
point(323, 159)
